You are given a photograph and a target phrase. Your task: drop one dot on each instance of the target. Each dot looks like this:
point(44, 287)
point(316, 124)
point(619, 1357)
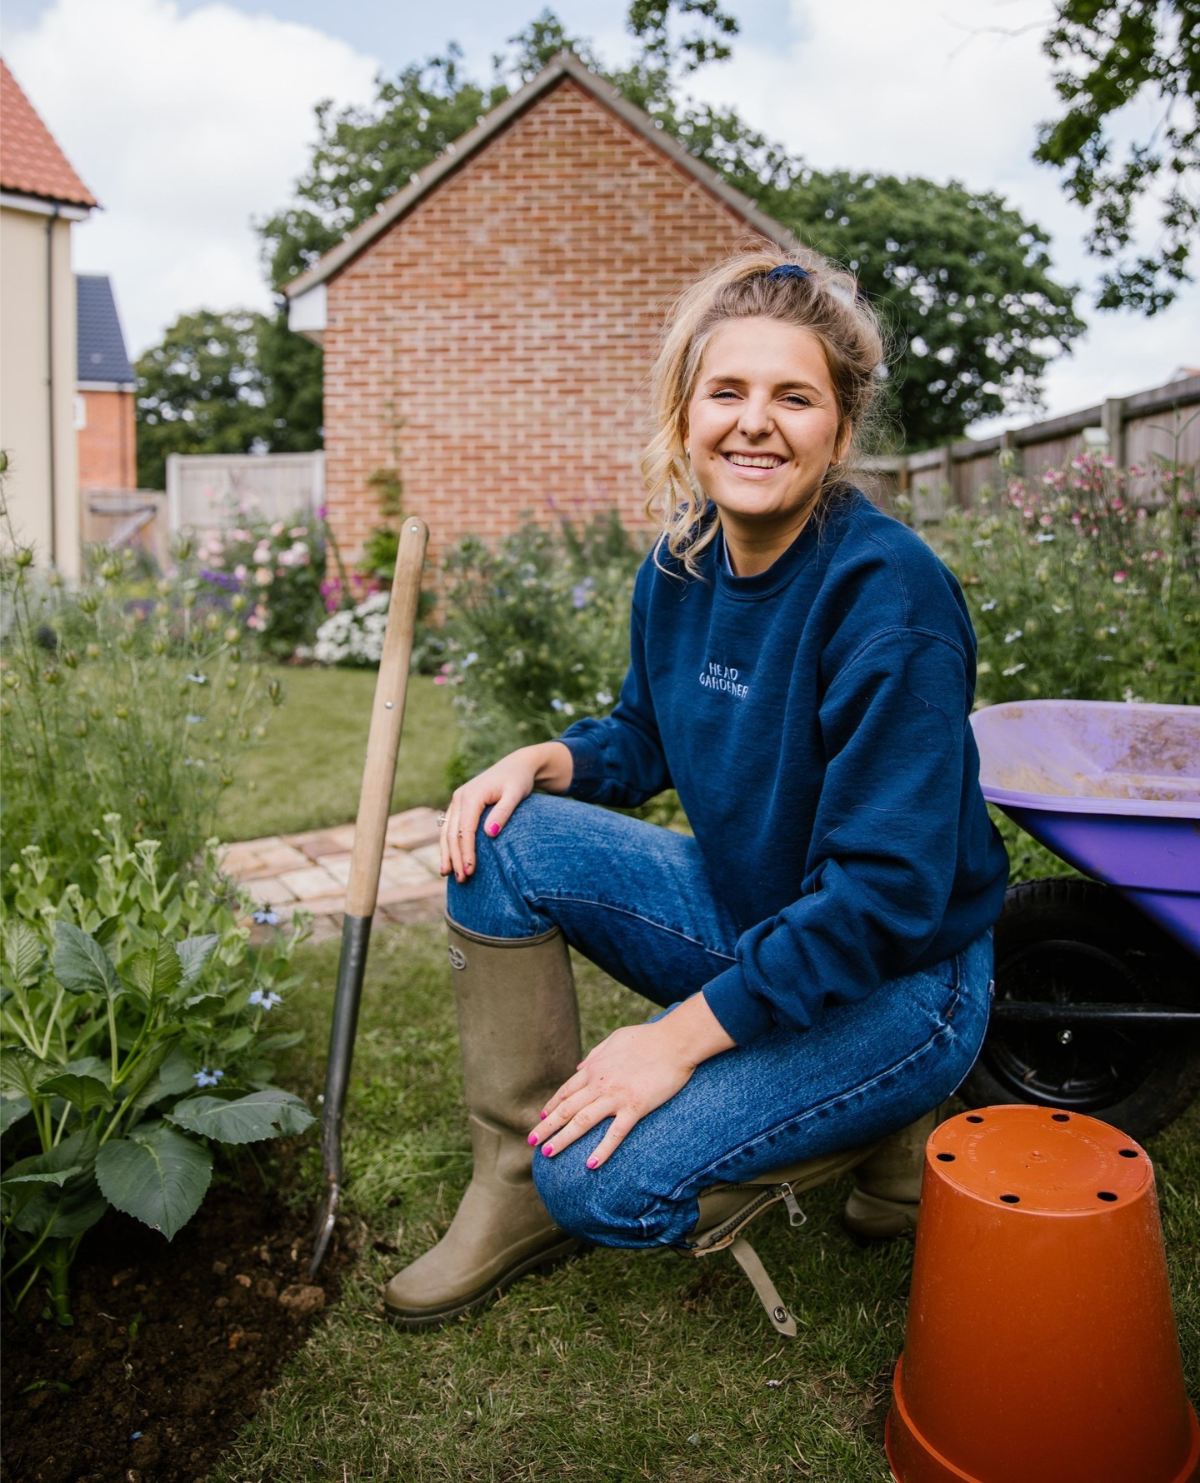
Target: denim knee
point(602, 1206)
point(491, 901)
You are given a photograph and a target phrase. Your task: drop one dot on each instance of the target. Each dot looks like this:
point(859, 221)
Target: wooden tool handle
point(387, 719)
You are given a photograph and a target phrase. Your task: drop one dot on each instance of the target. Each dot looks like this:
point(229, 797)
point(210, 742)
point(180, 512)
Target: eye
point(794, 399)
point(724, 394)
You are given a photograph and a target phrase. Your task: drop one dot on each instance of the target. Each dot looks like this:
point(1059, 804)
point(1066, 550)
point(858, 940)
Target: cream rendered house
point(40, 198)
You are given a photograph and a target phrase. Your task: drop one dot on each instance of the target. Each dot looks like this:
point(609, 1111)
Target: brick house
point(106, 389)
point(489, 332)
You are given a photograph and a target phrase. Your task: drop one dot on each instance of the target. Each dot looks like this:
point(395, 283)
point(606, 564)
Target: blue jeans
point(637, 900)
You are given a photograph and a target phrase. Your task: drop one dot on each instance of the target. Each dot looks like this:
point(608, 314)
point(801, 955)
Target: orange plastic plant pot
point(1041, 1345)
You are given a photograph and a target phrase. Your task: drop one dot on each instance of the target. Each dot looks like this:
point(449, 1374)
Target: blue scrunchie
point(788, 270)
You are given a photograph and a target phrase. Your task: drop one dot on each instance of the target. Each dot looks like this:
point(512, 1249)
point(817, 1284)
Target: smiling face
point(762, 430)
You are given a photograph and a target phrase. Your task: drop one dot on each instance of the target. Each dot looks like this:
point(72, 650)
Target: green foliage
point(111, 706)
point(1073, 592)
point(1109, 53)
point(539, 633)
point(235, 382)
point(117, 1006)
point(201, 390)
point(277, 567)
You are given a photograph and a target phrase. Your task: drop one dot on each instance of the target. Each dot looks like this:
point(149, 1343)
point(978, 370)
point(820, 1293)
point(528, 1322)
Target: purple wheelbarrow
point(1097, 1005)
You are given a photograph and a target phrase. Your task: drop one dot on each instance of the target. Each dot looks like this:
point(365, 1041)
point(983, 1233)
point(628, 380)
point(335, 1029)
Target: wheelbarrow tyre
point(1071, 940)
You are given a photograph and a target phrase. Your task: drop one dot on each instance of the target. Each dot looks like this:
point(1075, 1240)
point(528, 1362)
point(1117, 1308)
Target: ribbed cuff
point(741, 1015)
point(587, 764)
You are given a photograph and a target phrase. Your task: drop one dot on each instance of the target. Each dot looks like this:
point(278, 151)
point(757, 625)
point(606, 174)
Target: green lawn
point(308, 772)
point(620, 1366)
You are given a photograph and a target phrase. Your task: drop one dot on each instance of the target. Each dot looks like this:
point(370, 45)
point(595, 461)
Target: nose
point(755, 419)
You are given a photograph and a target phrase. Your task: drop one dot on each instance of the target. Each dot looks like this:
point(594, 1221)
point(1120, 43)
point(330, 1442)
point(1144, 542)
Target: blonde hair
point(825, 300)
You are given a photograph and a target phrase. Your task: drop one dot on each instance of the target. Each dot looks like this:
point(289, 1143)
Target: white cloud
point(185, 127)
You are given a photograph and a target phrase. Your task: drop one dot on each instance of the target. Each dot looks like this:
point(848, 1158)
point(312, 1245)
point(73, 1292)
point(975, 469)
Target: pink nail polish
point(548, 1150)
point(591, 1163)
point(532, 1140)
point(542, 1116)
point(493, 830)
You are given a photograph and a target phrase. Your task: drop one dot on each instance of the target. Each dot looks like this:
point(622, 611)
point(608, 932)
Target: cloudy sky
point(189, 118)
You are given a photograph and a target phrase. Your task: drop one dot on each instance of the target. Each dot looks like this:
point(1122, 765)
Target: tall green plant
point(109, 706)
point(539, 633)
point(134, 1035)
point(1077, 591)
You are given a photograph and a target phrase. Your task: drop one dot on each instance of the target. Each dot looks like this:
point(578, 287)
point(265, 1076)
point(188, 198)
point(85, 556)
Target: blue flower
point(206, 1078)
point(194, 720)
point(556, 704)
point(579, 594)
point(266, 916)
point(198, 679)
point(265, 1001)
point(133, 1436)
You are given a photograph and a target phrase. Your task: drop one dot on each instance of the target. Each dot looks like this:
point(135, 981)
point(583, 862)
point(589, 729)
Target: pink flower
point(263, 576)
point(297, 531)
point(278, 528)
point(240, 572)
point(1119, 576)
point(440, 680)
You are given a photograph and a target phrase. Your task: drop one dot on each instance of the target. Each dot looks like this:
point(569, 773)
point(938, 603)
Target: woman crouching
point(802, 670)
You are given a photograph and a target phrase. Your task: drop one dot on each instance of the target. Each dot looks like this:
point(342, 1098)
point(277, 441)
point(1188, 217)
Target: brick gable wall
point(107, 441)
point(495, 344)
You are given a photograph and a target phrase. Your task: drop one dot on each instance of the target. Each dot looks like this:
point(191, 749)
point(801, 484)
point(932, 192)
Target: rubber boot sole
point(432, 1318)
point(872, 1218)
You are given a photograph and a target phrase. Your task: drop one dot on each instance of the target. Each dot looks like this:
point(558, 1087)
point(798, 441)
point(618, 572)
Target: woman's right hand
point(505, 784)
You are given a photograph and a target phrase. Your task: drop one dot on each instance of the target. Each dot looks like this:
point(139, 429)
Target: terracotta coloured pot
point(1041, 1345)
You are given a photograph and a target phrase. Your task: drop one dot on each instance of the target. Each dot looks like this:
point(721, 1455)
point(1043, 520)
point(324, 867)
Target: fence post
point(1112, 420)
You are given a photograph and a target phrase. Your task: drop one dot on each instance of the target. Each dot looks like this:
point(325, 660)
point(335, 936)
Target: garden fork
point(379, 775)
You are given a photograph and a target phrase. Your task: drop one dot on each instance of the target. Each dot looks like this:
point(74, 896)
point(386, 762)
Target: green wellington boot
point(519, 1028)
point(887, 1192)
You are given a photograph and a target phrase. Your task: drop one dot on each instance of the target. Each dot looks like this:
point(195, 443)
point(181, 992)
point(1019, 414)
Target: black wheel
point(1075, 941)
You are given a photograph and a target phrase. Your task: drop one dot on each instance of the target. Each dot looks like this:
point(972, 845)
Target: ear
point(844, 438)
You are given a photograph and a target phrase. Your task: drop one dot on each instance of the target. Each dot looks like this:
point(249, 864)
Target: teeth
point(755, 461)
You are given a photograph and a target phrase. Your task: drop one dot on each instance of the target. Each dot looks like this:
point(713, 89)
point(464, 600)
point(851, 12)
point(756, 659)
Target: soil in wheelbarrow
point(172, 1347)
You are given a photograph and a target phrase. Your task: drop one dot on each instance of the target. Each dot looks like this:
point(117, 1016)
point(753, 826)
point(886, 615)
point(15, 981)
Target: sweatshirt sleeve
point(618, 759)
point(881, 862)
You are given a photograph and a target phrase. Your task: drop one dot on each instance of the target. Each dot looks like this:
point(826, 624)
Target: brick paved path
point(312, 870)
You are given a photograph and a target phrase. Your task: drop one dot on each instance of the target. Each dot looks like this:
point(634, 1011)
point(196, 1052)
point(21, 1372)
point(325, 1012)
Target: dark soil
point(172, 1345)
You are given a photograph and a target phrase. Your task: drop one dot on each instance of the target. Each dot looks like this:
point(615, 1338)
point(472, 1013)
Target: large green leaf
point(22, 952)
point(22, 1072)
point(157, 970)
point(12, 1110)
point(83, 1092)
point(37, 1207)
point(156, 1175)
point(267, 1114)
point(193, 953)
point(81, 965)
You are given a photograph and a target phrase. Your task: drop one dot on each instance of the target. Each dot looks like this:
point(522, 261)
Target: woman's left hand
point(635, 1070)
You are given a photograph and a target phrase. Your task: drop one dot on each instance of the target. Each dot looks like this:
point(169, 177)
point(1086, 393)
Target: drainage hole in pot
point(1128, 1153)
point(1061, 1117)
point(945, 1158)
point(1011, 1199)
point(974, 1118)
point(1105, 1194)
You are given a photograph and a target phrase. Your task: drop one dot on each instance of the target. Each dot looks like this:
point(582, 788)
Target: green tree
point(202, 390)
point(1107, 54)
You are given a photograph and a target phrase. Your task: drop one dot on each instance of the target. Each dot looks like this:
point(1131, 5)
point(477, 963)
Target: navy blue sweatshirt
point(814, 720)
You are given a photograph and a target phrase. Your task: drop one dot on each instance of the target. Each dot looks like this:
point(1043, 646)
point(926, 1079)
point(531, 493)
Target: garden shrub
point(107, 708)
point(358, 602)
point(539, 633)
point(1075, 592)
point(277, 566)
point(135, 1031)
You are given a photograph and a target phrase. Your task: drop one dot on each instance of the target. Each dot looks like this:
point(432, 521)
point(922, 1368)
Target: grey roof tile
point(99, 341)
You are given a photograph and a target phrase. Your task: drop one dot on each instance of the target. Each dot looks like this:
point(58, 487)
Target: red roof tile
point(30, 160)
